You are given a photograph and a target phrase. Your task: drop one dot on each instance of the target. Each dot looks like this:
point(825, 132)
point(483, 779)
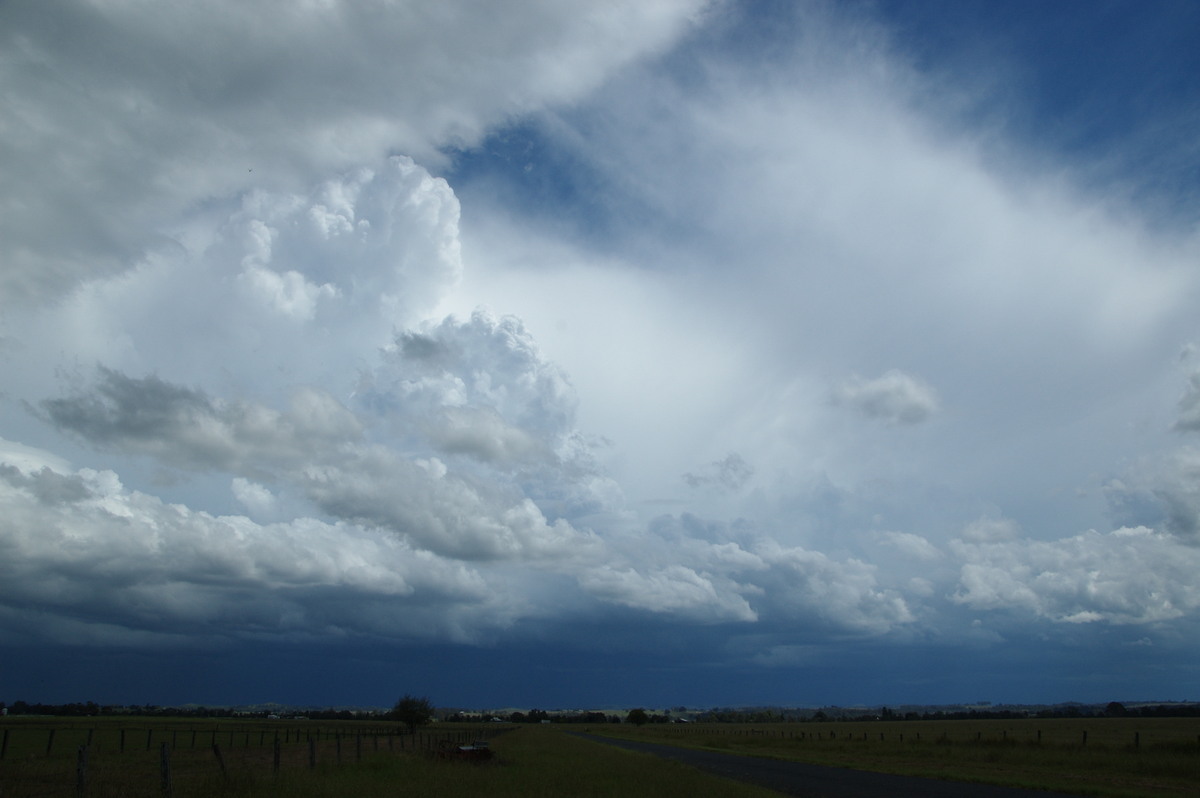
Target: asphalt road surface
point(818, 781)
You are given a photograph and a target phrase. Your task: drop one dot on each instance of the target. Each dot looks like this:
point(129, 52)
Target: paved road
point(817, 781)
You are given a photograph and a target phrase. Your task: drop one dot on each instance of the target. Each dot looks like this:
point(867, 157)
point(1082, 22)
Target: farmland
point(375, 759)
point(1149, 757)
point(240, 757)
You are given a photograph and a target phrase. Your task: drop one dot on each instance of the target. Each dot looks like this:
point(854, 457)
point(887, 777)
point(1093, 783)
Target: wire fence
point(39, 761)
point(1180, 733)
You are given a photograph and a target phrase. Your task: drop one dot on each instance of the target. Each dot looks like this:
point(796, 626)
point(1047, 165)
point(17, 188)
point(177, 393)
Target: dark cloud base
point(867, 674)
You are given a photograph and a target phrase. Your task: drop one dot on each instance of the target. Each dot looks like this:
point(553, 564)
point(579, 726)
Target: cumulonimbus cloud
point(198, 101)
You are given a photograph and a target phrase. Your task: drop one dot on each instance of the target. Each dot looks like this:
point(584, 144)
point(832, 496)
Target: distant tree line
point(418, 711)
point(535, 716)
point(1113, 709)
point(92, 709)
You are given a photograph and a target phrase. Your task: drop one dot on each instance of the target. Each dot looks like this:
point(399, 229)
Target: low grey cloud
point(894, 398)
point(439, 510)
point(483, 434)
point(730, 473)
point(674, 589)
point(187, 428)
point(912, 545)
point(104, 556)
point(316, 446)
point(1189, 407)
point(1127, 576)
point(810, 586)
point(753, 577)
point(1160, 492)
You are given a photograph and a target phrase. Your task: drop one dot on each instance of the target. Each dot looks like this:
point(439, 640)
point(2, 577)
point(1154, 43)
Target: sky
point(598, 354)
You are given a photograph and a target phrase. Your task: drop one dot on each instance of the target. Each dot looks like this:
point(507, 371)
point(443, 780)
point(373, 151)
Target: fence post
point(338, 738)
point(4, 745)
point(49, 742)
point(312, 753)
point(81, 771)
point(357, 747)
point(122, 741)
point(164, 765)
point(149, 734)
point(1084, 737)
point(1137, 739)
point(216, 749)
point(275, 765)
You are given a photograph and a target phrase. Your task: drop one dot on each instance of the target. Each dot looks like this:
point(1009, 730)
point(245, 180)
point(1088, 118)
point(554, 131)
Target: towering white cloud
point(120, 116)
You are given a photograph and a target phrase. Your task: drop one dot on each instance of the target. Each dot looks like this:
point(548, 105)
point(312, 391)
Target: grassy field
point(530, 761)
point(1143, 758)
point(1120, 757)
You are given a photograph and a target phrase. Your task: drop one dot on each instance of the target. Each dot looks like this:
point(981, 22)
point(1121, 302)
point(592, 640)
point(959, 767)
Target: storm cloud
point(702, 338)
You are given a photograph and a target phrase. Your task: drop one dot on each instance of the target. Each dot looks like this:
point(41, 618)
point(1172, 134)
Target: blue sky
point(606, 354)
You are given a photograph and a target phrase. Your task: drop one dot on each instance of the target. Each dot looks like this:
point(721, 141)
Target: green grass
point(544, 760)
point(530, 761)
point(1165, 761)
